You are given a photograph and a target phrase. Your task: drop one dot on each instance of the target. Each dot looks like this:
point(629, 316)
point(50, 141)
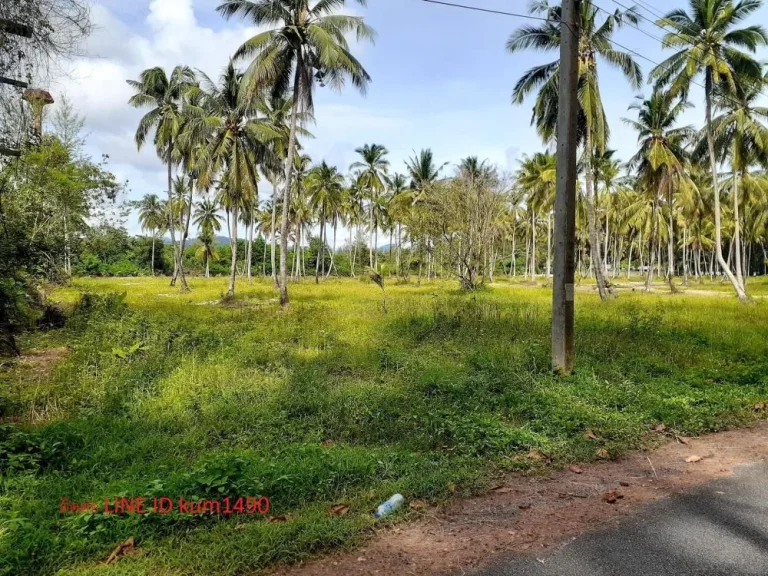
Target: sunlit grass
point(335, 401)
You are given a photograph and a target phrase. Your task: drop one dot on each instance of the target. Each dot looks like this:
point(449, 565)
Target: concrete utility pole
point(565, 196)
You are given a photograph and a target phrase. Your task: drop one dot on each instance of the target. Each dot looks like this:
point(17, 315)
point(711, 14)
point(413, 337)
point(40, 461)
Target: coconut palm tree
point(238, 144)
point(708, 43)
point(307, 45)
point(422, 170)
point(205, 251)
point(152, 219)
point(325, 186)
point(740, 135)
point(373, 170)
point(398, 203)
point(164, 95)
point(595, 46)
point(537, 177)
point(660, 162)
point(277, 110)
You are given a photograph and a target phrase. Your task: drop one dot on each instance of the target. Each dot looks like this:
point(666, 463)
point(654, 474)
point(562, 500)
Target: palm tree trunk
point(514, 253)
point(737, 230)
point(273, 243)
point(671, 243)
point(297, 94)
point(233, 249)
point(333, 251)
point(371, 240)
point(172, 225)
point(742, 295)
point(685, 254)
point(652, 244)
point(153, 253)
point(351, 251)
point(249, 255)
point(594, 235)
point(533, 245)
point(320, 252)
point(264, 258)
point(629, 263)
point(549, 245)
point(607, 236)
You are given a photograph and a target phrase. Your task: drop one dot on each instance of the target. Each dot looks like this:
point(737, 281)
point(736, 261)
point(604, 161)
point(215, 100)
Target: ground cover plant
point(332, 402)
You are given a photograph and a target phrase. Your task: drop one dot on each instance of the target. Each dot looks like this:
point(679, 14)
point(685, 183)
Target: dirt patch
point(527, 514)
point(40, 362)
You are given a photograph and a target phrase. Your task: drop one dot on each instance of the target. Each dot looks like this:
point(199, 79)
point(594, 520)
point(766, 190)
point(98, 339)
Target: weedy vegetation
point(333, 401)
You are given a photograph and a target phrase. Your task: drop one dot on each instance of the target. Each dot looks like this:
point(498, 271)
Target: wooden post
point(565, 197)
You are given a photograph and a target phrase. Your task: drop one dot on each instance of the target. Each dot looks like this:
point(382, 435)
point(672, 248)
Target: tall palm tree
point(708, 43)
point(308, 45)
point(152, 219)
point(422, 169)
point(594, 46)
point(206, 216)
point(373, 168)
point(164, 95)
point(661, 159)
point(277, 110)
point(238, 143)
point(398, 204)
point(325, 186)
point(537, 176)
point(739, 134)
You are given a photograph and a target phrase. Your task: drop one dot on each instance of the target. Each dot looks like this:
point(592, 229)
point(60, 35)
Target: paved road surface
point(720, 529)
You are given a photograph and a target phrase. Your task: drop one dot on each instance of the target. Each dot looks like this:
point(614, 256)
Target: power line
point(614, 42)
point(486, 10)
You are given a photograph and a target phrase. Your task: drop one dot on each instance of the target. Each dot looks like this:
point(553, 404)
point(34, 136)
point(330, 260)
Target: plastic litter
point(389, 506)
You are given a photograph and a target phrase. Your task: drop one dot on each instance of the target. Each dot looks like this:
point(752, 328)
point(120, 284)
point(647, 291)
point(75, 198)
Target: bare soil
point(527, 514)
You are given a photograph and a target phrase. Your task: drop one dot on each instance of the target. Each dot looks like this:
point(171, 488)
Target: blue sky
point(441, 79)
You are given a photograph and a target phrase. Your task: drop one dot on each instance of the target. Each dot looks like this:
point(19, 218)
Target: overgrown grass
point(333, 402)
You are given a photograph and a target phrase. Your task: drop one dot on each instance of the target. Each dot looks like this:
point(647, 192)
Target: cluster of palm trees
point(224, 137)
point(674, 190)
point(672, 209)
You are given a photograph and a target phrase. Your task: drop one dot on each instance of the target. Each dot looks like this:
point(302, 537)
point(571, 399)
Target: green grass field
point(332, 402)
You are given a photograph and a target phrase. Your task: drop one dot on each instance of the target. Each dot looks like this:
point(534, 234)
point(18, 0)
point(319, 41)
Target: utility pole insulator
point(565, 195)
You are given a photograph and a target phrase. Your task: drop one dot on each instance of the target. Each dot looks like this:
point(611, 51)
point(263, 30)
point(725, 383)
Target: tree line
point(688, 203)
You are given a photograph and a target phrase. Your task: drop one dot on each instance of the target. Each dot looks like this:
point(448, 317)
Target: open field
point(334, 402)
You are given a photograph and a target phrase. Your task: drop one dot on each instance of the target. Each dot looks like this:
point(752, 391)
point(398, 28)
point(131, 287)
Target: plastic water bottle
point(389, 506)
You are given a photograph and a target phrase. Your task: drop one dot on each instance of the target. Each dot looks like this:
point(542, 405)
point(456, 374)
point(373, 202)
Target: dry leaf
point(612, 496)
point(683, 440)
point(659, 428)
point(524, 506)
point(623, 483)
point(589, 435)
point(327, 443)
point(602, 453)
point(502, 489)
point(279, 519)
point(338, 510)
point(575, 469)
point(125, 548)
point(692, 459)
point(760, 407)
point(417, 505)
